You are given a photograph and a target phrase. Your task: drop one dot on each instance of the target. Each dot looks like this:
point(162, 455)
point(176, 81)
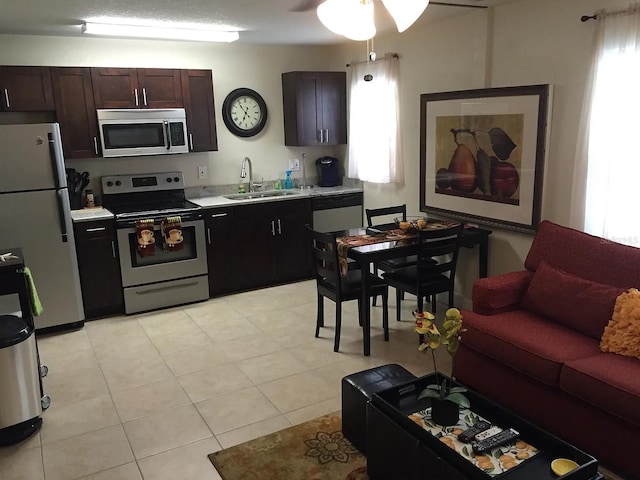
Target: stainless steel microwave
point(130, 132)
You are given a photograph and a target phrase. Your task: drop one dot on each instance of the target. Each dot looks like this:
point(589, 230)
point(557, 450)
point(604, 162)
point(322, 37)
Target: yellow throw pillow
point(622, 334)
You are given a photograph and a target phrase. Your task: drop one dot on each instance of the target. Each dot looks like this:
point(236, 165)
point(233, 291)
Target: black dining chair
point(331, 284)
point(389, 214)
point(428, 278)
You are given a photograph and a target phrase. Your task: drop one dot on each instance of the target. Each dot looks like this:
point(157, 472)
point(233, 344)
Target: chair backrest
point(325, 256)
point(397, 211)
point(444, 243)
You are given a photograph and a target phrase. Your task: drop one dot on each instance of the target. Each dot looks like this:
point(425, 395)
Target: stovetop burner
point(156, 195)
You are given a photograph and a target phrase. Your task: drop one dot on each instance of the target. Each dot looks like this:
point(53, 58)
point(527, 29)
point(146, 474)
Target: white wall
point(522, 42)
point(233, 66)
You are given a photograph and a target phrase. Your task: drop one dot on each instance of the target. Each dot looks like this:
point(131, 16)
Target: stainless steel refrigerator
point(35, 215)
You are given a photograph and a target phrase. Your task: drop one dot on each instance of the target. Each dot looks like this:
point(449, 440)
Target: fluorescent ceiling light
point(166, 33)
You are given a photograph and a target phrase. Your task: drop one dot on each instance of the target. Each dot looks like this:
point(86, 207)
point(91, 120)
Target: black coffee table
point(398, 448)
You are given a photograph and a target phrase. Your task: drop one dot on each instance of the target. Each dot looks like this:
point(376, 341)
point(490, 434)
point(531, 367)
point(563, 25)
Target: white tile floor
point(149, 396)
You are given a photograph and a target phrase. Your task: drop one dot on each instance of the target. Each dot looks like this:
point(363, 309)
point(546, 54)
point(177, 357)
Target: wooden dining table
point(371, 253)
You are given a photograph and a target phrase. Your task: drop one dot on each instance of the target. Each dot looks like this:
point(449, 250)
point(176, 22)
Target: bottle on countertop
point(276, 184)
point(91, 202)
point(288, 182)
point(241, 188)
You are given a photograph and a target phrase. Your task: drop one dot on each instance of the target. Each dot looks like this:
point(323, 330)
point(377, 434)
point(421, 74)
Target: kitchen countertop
point(90, 214)
point(206, 199)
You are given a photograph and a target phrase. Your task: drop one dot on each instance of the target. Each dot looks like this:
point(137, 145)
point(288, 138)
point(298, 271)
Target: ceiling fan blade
point(306, 5)
point(463, 5)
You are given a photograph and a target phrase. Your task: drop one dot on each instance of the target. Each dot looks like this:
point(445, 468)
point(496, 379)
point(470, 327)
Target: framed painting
point(482, 155)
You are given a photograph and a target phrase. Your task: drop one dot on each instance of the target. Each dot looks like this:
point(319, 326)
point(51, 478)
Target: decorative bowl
point(411, 224)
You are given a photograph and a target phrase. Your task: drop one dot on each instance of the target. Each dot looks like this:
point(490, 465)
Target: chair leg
point(360, 311)
point(420, 298)
point(433, 303)
point(451, 298)
point(320, 315)
point(398, 304)
point(385, 315)
point(374, 301)
point(336, 344)
point(403, 294)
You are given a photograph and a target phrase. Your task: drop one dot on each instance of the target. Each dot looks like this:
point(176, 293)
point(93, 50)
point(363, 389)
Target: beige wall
point(521, 42)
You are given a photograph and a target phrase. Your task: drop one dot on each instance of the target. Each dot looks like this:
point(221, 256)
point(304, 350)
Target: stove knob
point(169, 180)
point(109, 183)
point(118, 183)
point(176, 179)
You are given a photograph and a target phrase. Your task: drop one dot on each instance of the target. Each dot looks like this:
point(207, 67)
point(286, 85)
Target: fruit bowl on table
point(411, 224)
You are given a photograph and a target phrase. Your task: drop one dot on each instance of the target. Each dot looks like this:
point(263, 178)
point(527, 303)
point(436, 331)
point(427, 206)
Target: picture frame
point(482, 155)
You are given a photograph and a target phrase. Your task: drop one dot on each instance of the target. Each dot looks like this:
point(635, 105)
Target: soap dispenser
point(288, 183)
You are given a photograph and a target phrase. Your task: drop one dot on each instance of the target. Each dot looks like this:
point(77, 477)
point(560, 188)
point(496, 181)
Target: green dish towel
point(34, 299)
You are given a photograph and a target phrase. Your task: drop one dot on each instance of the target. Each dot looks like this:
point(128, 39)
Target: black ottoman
point(357, 390)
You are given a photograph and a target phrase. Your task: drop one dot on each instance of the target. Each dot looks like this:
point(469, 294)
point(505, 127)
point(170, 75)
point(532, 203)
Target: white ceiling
point(259, 21)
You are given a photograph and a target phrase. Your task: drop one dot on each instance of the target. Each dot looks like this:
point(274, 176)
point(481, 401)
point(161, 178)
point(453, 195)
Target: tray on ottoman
point(398, 447)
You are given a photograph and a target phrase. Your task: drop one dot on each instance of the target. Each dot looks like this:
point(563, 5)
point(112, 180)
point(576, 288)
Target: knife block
point(75, 201)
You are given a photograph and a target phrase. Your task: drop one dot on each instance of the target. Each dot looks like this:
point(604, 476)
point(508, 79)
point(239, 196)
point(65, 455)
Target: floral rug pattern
point(315, 450)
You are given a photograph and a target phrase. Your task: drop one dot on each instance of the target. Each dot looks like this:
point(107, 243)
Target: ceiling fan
point(306, 5)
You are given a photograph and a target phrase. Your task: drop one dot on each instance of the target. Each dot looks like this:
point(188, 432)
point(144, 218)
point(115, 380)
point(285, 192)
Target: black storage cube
point(357, 390)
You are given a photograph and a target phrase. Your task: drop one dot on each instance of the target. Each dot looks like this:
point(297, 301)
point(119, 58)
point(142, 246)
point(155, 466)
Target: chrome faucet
point(243, 174)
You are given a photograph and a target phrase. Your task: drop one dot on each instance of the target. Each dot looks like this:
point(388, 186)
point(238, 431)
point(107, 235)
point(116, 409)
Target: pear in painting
point(462, 169)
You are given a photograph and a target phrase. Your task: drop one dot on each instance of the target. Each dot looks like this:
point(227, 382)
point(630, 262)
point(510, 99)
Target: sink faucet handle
point(258, 185)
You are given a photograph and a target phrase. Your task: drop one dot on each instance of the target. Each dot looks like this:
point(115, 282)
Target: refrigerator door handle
point(63, 224)
point(54, 161)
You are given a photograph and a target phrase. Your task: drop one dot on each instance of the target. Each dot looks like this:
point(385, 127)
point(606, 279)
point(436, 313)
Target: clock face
point(244, 112)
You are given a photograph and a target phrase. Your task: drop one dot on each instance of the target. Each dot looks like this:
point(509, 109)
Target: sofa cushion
point(580, 304)
point(500, 293)
point(608, 381)
point(584, 255)
point(526, 342)
point(622, 334)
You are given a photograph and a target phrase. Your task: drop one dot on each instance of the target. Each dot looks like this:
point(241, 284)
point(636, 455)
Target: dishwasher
point(337, 212)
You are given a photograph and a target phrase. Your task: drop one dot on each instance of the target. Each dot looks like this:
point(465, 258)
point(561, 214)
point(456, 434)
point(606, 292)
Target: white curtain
point(374, 128)
point(606, 184)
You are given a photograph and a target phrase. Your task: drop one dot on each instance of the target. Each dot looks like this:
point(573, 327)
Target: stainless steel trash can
point(21, 398)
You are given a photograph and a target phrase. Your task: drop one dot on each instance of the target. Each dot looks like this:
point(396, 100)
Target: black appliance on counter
point(328, 171)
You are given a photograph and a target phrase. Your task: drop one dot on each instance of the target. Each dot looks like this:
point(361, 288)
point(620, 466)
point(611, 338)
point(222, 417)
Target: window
point(608, 160)
point(374, 128)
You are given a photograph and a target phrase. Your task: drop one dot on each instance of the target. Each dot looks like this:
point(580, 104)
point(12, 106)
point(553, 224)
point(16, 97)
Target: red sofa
point(533, 344)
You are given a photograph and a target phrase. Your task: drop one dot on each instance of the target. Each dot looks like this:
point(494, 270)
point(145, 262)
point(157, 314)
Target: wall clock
point(244, 112)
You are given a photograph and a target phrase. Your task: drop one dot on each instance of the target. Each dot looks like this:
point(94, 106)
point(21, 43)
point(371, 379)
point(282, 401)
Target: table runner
point(396, 234)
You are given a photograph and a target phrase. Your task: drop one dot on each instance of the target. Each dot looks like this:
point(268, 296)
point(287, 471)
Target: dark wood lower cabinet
point(262, 244)
point(99, 268)
point(221, 250)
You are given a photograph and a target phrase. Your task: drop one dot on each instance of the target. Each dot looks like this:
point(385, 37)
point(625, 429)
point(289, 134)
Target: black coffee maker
point(328, 171)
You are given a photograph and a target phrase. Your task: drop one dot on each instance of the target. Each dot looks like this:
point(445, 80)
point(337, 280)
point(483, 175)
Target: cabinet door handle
point(113, 248)
point(191, 141)
point(319, 135)
point(326, 136)
point(209, 235)
point(135, 93)
point(216, 215)
point(144, 96)
point(6, 98)
point(96, 229)
point(273, 228)
point(279, 228)
point(95, 145)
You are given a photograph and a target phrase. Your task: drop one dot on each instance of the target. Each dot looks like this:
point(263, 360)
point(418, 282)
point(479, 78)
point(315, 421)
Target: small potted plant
point(446, 400)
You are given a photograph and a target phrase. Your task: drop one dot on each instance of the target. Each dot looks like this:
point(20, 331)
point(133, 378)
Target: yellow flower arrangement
point(430, 339)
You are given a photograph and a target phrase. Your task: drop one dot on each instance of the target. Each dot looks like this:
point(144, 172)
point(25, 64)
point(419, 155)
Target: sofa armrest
point(500, 293)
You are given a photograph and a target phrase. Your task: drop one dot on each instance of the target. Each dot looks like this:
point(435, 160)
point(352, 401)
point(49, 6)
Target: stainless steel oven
point(166, 278)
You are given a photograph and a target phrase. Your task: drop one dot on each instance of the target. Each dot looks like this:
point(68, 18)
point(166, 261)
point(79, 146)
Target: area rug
point(314, 450)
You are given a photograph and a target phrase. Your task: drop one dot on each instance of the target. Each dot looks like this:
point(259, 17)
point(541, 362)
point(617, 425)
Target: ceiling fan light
point(405, 12)
point(350, 18)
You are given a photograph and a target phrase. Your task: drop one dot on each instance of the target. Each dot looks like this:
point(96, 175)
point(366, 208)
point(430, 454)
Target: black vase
point(444, 412)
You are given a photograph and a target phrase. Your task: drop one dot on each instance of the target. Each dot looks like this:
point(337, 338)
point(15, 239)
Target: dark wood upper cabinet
point(136, 87)
point(315, 108)
point(197, 93)
point(26, 89)
point(75, 111)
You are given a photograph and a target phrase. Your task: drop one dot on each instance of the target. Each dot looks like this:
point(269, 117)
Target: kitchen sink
point(254, 195)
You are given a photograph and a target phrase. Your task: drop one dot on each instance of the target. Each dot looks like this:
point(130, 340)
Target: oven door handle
point(185, 219)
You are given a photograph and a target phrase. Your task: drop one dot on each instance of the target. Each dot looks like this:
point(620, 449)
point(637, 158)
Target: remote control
point(502, 438)
point(470, 433)
point(487, 433)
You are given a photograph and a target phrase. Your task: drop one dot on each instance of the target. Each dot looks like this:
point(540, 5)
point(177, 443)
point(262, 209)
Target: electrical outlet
point(294, 164)
point(202, 172)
